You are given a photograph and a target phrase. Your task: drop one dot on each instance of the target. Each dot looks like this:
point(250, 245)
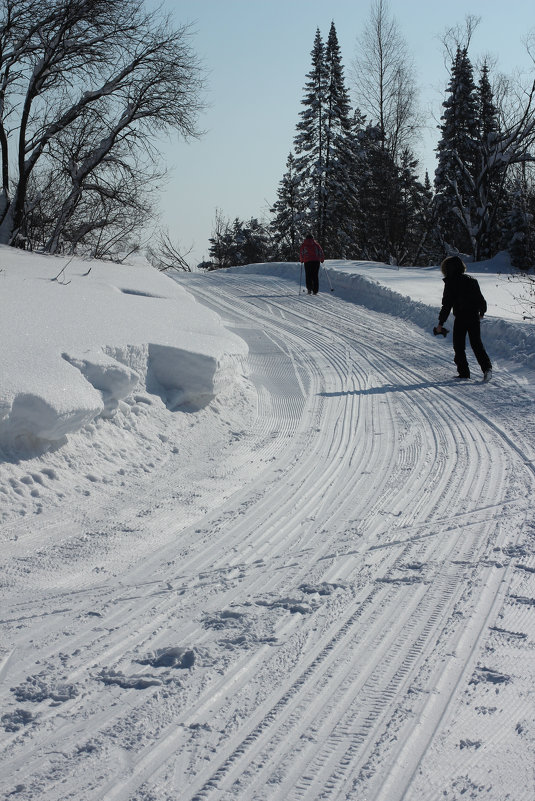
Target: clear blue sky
point(257, 53)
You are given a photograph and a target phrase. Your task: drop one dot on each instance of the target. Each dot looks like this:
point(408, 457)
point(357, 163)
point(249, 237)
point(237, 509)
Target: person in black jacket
point(463, 295)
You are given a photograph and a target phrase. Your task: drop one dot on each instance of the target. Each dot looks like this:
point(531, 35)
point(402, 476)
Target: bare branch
point(87, 64)
point(459, 37)
point(168, 255)
point(384, 82)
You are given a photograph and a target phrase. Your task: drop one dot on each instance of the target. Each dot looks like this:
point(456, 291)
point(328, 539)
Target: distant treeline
point(352, 176)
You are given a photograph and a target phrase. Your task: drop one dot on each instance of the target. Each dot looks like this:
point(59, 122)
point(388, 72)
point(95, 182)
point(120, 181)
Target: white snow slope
point(272, 554)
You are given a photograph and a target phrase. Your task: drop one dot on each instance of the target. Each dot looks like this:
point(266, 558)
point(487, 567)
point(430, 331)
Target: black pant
point(312, 271)
point(471, 326)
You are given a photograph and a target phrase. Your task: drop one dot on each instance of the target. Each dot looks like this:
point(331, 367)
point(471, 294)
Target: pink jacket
point(311, 251)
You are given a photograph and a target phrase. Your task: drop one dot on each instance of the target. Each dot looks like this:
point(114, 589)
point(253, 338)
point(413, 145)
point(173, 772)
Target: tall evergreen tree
point(518, 233)
point(412, 212)
point(309, 142)
point(488, 111)
point(339, 207)
point(344, 185)
point(325, 150)
point(374, 188)
point(427, 241)
point(491, 172)
point(458, 156)
point(475, 159)
point(288, 211)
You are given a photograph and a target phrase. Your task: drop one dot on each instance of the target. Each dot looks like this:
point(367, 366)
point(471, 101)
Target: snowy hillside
point(260, 545)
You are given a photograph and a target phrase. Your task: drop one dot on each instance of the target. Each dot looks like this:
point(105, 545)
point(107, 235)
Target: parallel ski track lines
point(434, 718)
point(122, 643)
point(380, 693)
point(472, 480)
point(370, 688)
point(349, 685)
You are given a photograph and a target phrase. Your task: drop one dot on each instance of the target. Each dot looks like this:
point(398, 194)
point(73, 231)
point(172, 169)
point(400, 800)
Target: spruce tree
point(309, 142)
point(338, 209)
point(288, 214)
point(518, 236)
point(488, 112)
point(325, 151)
point(343, 184)
point(474, 158)
point(458, 156)
point(490, 177)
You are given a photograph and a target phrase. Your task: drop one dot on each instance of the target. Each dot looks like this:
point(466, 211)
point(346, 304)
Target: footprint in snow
point(136, 682)
point(13, 721)
point(292, 605)
point(483, 674)
point(247, 641)
point(224, 619)
point(323, 588)
point(400, 580)
point(176, 657)
point(470, 744)
point(38, 688)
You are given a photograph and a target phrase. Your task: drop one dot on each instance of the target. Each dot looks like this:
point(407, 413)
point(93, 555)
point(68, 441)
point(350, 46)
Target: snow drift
point(114, 330)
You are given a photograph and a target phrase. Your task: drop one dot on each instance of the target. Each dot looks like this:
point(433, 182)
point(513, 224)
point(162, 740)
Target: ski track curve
point(345, 611)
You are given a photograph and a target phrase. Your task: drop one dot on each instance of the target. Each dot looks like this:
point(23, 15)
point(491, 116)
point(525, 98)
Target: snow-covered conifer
point(288, 214)
point(458, 151)
point(309, 141)
point(340, 204)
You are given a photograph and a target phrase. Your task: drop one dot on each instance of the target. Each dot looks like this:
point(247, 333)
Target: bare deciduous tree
point(458, 37)
point(105, 68)
point(384, 82)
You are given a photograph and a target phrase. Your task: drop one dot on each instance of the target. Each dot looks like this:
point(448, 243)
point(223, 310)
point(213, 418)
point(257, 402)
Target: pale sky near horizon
point(257, 53)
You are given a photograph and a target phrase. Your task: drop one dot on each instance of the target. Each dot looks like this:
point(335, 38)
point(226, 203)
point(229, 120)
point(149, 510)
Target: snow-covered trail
point(346, 612)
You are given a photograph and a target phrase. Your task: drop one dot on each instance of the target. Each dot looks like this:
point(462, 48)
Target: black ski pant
point(471, 326)
point(312, 272)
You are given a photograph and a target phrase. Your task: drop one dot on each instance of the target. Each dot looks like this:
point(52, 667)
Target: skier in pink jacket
point(311, 254)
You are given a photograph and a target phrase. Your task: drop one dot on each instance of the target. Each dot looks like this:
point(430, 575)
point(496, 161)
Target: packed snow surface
point(258, 545)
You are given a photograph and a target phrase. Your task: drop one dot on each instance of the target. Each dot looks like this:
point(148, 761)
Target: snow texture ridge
point(114, 330)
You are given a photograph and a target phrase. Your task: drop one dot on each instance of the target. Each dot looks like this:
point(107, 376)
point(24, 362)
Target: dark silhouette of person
point(311, 255)
point(463, 295)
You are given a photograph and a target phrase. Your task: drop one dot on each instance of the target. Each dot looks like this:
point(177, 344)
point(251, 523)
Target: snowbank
point(81, 338)
point(78, 342)
point(414, 294)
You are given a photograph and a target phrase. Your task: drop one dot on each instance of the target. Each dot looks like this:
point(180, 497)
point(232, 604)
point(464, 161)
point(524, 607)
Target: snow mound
point(104, 333)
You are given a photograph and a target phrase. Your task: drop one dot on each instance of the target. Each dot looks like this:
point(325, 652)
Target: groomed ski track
point(350, 607)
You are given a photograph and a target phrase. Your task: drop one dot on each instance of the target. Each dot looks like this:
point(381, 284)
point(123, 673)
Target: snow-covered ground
point(260, 545)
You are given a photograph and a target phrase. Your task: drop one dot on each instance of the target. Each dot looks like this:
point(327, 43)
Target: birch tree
point(384, 82)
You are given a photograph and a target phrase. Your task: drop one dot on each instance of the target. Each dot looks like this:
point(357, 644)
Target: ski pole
point(300, 277)
point(328, 279)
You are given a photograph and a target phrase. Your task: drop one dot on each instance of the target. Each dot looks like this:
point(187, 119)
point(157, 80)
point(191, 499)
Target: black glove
point(443, 331)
